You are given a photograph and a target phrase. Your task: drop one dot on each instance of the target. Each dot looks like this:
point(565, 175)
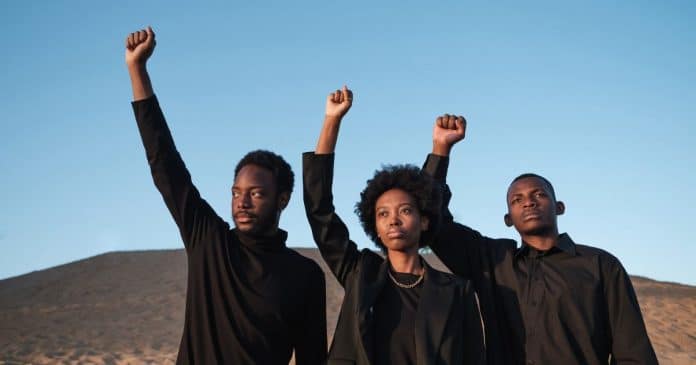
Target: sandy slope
point(128, 308)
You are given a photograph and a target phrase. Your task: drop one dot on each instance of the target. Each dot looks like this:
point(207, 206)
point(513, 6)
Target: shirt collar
point(564, 243)
point(273, 242)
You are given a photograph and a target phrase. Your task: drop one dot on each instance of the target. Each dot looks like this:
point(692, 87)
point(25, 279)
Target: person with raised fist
point(397, 309)
point(550, 300)
point(249, 298)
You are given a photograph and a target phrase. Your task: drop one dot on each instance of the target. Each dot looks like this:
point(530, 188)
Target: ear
point(283, 199)
point(560, 208)
point(425, 223)
point(507, 219)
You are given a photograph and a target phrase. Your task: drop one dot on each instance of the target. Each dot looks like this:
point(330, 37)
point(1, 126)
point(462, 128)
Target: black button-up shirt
point(572, 304)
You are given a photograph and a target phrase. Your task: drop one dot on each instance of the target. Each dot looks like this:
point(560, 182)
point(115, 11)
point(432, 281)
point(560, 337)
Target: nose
point(243, 201)
point(395, 221)
point(530, 203)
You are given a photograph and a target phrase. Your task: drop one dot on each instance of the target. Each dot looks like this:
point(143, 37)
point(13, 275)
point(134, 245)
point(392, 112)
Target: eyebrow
point(535, 190)
point(250, 188)
point(399, 206)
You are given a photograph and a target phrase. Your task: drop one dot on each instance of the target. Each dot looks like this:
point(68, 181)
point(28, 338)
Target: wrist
point(441, 149)
point(136, 67)
point(332, 118)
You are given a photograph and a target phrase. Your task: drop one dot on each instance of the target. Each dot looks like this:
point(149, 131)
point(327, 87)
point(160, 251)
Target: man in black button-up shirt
point(550, 301)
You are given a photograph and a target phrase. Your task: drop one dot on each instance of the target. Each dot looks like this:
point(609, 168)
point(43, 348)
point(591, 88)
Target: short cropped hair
point(281, 170)
point(413, 181)
point(543, 179)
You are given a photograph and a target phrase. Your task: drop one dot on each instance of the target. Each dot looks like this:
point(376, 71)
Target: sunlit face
point(256, 205)
point(398, 221)
point(532, 209)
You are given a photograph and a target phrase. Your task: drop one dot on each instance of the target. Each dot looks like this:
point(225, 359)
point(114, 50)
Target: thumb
point(347, 93)
point(150, 35)
point(460, 125)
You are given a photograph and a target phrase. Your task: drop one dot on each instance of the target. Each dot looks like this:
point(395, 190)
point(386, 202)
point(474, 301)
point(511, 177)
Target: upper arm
point(329, 232)
point(194, 217)
point(459, 247)
point(629, 337)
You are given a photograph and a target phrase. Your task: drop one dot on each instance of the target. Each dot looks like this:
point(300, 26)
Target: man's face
point(532, 209)
point(256, 205)
point(398, 221)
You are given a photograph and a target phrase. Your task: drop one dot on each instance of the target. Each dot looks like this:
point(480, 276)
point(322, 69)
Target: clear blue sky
point(598, 97)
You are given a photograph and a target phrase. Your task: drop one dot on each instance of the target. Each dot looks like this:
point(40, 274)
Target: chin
point(537, 229)
point(245, 228)
point(402, 247)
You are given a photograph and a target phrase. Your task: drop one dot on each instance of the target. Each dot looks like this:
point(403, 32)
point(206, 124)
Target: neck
point(405, 262)
point(541, 242)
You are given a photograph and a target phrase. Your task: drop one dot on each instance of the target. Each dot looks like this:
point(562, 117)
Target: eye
point(540, 194)
point(257, 194)
point(235, 194)
point(515, 200)
point(406, 211)
point(382, 213)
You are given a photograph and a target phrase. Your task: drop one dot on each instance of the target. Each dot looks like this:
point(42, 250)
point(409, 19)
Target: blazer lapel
point(433, 312)
point(369, 289)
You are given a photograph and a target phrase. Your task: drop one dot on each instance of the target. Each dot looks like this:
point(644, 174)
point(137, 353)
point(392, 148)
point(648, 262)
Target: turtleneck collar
point(273, 242)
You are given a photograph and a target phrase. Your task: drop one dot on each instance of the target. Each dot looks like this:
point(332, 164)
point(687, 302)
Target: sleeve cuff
point(436, 166)
point(145, 102)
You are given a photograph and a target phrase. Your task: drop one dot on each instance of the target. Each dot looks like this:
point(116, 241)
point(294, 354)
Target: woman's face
point(398, 221)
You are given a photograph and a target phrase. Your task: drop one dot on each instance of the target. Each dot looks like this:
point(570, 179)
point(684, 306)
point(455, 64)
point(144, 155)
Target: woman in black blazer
point(399, 310)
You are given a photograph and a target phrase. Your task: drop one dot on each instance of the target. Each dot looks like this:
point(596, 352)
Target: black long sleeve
point(330, 233)
point(194, 217)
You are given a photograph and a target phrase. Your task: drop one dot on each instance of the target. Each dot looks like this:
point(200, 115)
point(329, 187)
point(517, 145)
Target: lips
point(395, 234)
point(244, 217)
point(533, 215)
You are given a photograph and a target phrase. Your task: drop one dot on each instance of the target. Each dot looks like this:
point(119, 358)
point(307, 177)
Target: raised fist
point(448, 130)
point(139, 47)
point(338, 102)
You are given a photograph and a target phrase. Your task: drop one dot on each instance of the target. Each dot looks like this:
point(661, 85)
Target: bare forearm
point(328, 135)
point(140, 82)
point(337, 105)
point(441, 149)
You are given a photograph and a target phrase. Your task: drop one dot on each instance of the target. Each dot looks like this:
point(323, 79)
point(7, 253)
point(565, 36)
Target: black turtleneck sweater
point(249, 300)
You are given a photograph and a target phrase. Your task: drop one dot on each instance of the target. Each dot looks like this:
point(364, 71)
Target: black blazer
point(448, 327)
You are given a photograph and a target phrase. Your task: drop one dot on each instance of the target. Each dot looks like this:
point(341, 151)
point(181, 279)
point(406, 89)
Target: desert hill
point(128, 308)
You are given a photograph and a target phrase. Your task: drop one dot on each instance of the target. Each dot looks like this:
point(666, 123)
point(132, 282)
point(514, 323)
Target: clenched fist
point(338, 102)
point(448, 130)
point(139, 47)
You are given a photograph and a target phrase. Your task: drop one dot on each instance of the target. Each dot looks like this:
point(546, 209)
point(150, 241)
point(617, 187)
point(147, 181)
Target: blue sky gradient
point(598, 97)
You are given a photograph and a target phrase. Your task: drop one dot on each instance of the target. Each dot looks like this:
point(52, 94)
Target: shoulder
point(501, 247)
point(597, 253)
point(302, 263)
point(368, 265)
point(445, 278)
point(504, 244)
point(369, 261)
point(607, 263)
point(369, 256)
point(463, 288)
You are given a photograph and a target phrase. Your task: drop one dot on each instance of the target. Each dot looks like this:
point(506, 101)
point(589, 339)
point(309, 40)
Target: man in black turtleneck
point(250, 299)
